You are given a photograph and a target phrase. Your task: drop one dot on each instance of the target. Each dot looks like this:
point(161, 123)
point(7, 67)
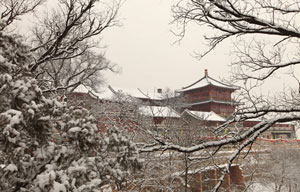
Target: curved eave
point(184, 90)
point(197, 117)
point(224, 86)
point(213, 101)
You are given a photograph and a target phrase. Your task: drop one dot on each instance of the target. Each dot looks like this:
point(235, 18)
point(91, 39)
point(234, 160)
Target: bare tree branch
point(65, 33)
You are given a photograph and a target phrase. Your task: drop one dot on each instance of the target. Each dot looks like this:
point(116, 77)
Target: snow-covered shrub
point(46, 145)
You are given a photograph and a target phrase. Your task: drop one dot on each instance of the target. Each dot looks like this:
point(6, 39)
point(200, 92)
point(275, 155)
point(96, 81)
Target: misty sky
point(143, 48)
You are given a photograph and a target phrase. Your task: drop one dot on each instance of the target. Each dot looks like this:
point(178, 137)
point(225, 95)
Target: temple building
point(211, 101)
point(207, 103)
point(208, 94)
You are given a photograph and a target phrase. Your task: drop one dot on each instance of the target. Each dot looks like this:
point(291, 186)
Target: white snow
point(31, 111)
point(45, 179)
point(2, 59)
point(110, 92)
point(6, 77)
point(205, 81)
point(11, 168)
point(77, 168)
point(58, 187)
point(14, 116)
point(45, 118)
point(106, 188)
point(96, 182)
point(203, 115)
point(74, 129)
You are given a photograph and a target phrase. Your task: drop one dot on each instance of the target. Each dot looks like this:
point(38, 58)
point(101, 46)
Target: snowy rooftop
point(158, 111)
point(141, 93)
point(105, 93)
point(205, 81)
point(203, 115)
point(108, 92)
point(212, 100)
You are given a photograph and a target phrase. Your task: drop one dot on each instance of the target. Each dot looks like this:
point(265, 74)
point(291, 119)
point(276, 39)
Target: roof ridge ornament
point(205, 81)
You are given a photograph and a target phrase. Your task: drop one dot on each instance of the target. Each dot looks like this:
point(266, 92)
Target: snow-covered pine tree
point(46, 145)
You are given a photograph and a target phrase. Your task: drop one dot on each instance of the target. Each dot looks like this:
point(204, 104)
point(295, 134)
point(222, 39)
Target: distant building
point(208, 94)
point(206, 102)
point(210, 100)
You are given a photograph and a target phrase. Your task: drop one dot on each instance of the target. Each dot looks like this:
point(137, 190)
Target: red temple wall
point(207, 93)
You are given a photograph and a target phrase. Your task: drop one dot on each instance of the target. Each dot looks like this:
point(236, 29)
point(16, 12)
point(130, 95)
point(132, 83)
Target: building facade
point(208, 94)
point(207, 103)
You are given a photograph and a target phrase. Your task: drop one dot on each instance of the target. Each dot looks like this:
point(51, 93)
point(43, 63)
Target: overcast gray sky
point(143, 48)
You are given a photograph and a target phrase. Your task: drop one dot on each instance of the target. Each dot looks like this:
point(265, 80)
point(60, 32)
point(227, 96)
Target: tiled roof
point(203, 115)
point(205, 81)
point(213, 101)
point(108, 92)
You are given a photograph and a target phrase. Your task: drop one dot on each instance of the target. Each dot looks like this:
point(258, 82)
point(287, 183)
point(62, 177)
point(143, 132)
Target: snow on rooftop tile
point(105, 92)
point(141, 93)
point(203, 115)
point(137, 93)
point(81, 89)
point(205, 81)
point(108, 92)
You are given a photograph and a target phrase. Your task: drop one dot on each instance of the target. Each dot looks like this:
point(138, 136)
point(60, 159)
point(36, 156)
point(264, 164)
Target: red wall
point(206, 93)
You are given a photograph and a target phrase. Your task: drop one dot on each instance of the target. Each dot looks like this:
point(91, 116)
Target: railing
point(279, 142)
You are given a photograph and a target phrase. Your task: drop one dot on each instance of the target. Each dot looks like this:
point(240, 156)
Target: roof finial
point(205, 72)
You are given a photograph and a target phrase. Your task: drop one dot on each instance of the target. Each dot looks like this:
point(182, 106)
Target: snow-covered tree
point(46, 145)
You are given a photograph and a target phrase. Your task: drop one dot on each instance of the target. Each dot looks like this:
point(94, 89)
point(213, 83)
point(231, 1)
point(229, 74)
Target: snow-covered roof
point(205, 81)
point(203, 115)
point(81, 89)
point(140, 93)
point(105, 92)
point(214, 101)
point(159, 111)
point(108, 92)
